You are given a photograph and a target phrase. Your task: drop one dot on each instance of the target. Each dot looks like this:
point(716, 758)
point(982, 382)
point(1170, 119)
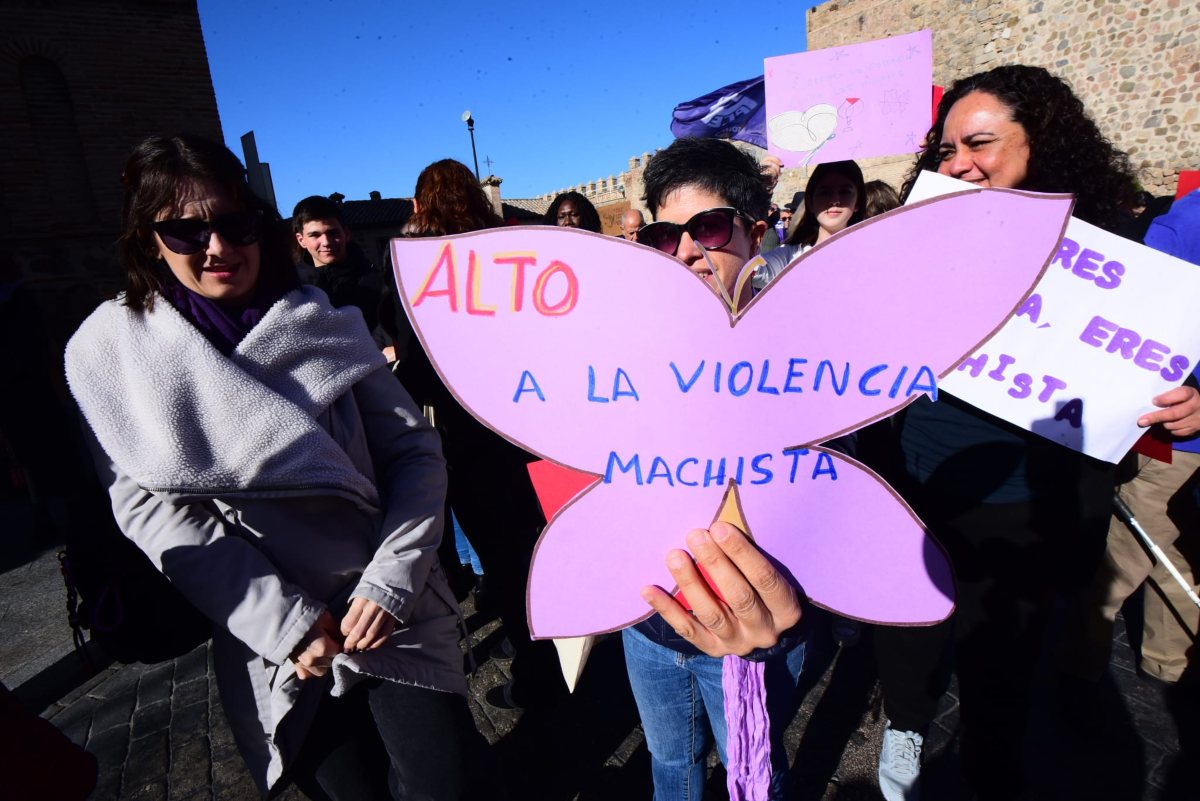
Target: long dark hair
point(1067, 152)
point(807, 229)
point(589, 218)
point(156, 177)
point(450, 201)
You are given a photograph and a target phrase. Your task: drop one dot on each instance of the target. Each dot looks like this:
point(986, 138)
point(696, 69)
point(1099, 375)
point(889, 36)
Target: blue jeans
point(682, 707)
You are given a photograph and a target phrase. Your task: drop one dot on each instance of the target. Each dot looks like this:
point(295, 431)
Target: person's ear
point(757, 231)
point(150, 244)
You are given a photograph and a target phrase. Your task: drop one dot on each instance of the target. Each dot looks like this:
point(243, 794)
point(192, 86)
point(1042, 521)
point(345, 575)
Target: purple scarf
point(223, 326)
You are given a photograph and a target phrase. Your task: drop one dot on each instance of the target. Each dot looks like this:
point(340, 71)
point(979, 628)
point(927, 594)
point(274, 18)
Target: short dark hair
point(712, 165)
point(589, 218)
point(156, 178)
point(1067, 151)
point(315, 207)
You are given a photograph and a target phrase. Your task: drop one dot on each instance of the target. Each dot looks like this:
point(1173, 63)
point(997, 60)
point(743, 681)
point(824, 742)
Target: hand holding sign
point(752, 606)
point(612, 358)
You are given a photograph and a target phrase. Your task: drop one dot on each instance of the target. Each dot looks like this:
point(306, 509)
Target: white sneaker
point(900, 764)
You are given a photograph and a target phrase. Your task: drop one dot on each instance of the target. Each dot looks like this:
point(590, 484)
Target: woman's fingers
point(755, 605)
point(317, 657)
point(378, 632)
point(774, 595)
point(366, 625)
point(314, 655)
point(1180, 412)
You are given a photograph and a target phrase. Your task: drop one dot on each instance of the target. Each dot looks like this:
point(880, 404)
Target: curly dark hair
point(1067, 152)
point(158, 177)
point(450, 201)
point(589, 218)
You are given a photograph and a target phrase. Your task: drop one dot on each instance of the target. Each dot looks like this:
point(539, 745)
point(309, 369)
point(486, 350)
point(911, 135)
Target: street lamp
point(470, 121)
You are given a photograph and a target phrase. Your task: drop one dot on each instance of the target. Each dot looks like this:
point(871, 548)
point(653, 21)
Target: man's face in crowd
point(325, 241)
point(630, 223)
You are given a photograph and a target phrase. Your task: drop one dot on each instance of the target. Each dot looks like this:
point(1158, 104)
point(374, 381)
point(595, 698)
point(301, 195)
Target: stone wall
point(1135, 63)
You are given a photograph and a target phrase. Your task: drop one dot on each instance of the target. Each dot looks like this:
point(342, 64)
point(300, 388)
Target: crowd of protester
point(321, 469)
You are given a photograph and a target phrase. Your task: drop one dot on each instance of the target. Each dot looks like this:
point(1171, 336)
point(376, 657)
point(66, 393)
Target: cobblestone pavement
point(158, 731)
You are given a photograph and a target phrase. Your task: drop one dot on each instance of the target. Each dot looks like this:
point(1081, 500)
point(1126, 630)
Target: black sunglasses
point(711, 228)
point(190, 235)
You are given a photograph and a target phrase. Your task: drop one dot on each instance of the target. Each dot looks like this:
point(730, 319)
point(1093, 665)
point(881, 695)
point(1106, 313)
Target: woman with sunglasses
point(262, 457)
point(834, 199)
point(709, 201)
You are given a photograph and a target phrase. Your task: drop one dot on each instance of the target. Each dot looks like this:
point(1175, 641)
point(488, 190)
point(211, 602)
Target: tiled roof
point(376, 212)
point(396, 211)
point(531, 204)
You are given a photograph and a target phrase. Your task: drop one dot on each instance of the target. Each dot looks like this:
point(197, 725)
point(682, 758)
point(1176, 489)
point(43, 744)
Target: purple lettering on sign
point(1022, 386)
point(1151, 354)
point(1111, 278)
point(975, 364)
point(1072, 412)
point(1124, 342)
point(1031, 308)
point(1087, 263)
point(1176, 369)
point(1066, 251)
point(1052, 385)
point(1097, 331)
point(1004, 361)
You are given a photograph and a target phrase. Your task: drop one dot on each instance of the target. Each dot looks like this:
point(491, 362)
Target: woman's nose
point(217, 244)
point(687, 252)
point(957, 164)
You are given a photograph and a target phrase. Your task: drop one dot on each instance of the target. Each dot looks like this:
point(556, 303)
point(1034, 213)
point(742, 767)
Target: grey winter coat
point(269, 486)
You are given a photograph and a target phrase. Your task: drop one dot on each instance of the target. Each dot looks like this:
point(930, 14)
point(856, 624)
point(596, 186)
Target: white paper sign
point(1111, 325)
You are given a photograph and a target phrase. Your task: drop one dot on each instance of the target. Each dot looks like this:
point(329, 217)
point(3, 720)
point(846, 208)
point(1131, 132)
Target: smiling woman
point(1022, 127)
point(298, 501)
point(835, 198)
point(1023, 519)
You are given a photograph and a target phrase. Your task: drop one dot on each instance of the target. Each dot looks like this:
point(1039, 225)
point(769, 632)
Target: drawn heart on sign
point(801, 132)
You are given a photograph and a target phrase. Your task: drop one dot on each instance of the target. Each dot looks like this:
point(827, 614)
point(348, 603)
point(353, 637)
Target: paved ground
point(158, 731)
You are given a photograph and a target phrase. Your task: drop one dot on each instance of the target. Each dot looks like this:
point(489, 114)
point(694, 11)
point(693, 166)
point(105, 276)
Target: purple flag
point(736, 111)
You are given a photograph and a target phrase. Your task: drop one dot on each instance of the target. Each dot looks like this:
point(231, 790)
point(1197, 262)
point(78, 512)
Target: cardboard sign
point(614, 359)
point(1110, 326)
point(851, 102)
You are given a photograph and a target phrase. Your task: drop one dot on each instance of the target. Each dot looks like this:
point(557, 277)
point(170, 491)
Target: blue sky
point(353, 96)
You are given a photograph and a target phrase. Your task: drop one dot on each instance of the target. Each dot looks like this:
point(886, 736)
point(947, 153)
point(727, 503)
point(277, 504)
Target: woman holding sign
point(259, 453)
point(1021, 517)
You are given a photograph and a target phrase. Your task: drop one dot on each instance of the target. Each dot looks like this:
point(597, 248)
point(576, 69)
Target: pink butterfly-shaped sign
point(613, 359)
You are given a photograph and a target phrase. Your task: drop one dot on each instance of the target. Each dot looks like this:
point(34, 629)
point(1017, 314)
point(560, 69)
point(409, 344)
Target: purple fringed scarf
point(748, 741)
